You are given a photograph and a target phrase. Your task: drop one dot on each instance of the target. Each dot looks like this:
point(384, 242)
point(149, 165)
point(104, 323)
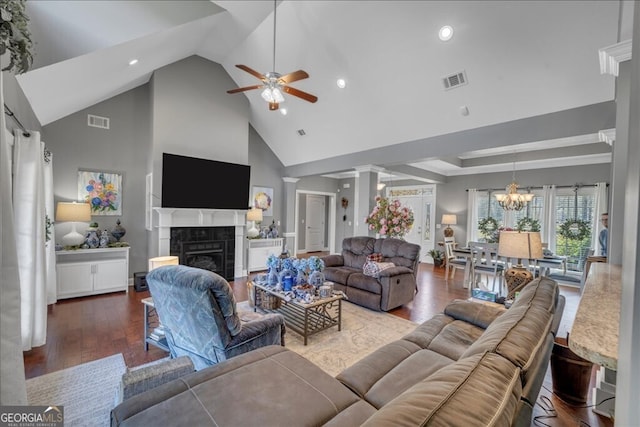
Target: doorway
point(315, 221)
point(421, 200)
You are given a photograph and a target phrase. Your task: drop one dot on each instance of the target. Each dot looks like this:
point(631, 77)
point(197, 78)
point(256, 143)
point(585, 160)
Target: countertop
point(594, 334)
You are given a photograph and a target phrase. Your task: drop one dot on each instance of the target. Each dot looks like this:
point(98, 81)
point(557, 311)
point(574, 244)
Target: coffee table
point(304, 318)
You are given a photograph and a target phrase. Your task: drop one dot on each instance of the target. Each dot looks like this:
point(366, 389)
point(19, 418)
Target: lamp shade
point(449, 219)
point(521, 245)
point(72, 211)
point(254, 214)
point(162, 260)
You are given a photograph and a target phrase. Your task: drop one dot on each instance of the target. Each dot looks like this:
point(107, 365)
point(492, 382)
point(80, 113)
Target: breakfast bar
point(594, 335)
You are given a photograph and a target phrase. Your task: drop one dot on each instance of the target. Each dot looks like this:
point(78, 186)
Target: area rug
point(363, 331)
point(86, 391)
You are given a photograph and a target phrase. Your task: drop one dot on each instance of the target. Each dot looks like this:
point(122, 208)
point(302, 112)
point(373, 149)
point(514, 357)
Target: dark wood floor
point(80, 330)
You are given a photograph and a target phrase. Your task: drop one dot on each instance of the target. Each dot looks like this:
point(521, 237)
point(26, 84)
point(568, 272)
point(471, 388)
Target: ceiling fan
point(273, 83)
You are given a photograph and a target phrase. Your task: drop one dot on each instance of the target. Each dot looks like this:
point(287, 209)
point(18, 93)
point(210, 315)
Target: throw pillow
point(373, 269)
point(377, 257)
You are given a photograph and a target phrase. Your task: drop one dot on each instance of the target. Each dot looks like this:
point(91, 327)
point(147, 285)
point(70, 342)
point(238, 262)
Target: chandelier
point(513, 201)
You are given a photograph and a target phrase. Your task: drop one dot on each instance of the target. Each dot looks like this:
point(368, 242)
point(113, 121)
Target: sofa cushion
point(398, 251)
point(356, 249)
point(294, 392)
point(480, 390)
point(366, 283)
point(339, 274)
point(517, 335)
point(542, 292)
point(476, 313)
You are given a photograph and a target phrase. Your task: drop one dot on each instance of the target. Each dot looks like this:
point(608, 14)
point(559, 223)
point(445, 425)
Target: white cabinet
point(92, 271)
point(259, 250)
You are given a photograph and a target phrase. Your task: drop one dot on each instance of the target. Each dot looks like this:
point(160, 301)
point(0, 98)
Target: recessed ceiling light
point(283, 111)
point(445, 33)
point(341, 83)
point(133, 62)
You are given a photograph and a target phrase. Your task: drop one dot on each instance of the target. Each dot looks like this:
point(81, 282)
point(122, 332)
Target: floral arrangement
point(287, 263)
point(273, 262)
point(574, 229)
point(315, 264)
point(390, 218)
point(102, 195)
point(528, 224)
point(300, 264)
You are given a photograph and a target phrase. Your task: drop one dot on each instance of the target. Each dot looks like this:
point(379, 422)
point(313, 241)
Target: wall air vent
point(97, 121)
point(455, 80)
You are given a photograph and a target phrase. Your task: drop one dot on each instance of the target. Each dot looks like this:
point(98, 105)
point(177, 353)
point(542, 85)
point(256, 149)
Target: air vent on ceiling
point(97, 121)
point(301, 132)
point(455, 80)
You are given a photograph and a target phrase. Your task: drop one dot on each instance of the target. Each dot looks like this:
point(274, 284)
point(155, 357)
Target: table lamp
point(519, 245)
point(163, 260)
point(449, 219)
point(73, 212)
point(254, 215)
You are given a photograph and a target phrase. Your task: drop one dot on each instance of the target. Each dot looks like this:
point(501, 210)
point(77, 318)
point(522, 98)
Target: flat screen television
point(189, 182)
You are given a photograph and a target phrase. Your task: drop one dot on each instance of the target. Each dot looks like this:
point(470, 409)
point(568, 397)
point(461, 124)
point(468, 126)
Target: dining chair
point(453, 262)
point(485, 263)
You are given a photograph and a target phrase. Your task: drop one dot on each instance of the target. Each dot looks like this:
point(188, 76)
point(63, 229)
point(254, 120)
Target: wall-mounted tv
point(189, 182)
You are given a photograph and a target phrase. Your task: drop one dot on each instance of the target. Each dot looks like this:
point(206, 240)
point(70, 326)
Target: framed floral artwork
point(263, 198)
point(102, 190)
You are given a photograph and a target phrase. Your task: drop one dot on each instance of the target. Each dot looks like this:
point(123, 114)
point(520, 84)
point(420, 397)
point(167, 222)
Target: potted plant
point(438, 257)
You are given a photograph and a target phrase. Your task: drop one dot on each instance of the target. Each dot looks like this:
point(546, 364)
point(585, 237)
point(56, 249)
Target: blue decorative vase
point(316, 278)
point(92, 240)
point(104, 239)
point(301, 278)
point(118, 231)
point(286, 279)
point(272, 277)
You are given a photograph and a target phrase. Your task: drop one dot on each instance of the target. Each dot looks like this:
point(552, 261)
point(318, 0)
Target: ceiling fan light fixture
point(272, 95)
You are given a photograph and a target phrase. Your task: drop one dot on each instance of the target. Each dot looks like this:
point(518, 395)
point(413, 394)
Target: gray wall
point(452, 196)
point(266, 171)
point(345, 228)
point(123, 148)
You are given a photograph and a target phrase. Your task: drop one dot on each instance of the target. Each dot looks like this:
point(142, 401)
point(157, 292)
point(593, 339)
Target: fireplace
point(209, 248)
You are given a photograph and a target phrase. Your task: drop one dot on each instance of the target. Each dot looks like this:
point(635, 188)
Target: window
point(570, 205)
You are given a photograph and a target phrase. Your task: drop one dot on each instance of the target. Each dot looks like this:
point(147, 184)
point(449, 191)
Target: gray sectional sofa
point(472, 365)
point(395, 286)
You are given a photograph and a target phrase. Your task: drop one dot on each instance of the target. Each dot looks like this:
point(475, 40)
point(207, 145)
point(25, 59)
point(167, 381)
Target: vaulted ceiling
point(522, 60)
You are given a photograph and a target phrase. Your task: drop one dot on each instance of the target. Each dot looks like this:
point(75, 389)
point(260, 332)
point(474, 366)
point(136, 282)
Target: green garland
point(488, 226)
point(528, 224)
point(574, 229)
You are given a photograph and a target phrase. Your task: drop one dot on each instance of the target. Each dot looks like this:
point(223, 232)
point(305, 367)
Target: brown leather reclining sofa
point(472, 365)
point(394, 287)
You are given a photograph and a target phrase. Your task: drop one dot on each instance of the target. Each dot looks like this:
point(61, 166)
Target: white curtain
point(30, 217)
point(472, 215)
point(50, 246)
point(12, 387)
point(548, 226)
point(601, 204)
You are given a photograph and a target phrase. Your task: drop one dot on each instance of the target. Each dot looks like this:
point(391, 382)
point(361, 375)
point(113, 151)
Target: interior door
point(315, 223)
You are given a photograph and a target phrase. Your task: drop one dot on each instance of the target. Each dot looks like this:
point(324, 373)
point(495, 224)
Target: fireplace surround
point(204, 249)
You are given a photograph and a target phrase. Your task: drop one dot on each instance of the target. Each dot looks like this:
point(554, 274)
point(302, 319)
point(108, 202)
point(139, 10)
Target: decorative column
point(365, 195)
point(289, 222)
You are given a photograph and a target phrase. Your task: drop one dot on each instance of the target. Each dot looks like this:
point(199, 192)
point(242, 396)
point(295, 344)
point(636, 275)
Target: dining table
point(542, 266)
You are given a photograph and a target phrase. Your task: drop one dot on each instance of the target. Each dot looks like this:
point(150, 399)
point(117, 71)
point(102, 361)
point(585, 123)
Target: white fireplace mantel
point(178, 217)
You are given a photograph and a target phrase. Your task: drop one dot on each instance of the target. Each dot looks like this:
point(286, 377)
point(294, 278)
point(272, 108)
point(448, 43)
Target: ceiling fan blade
point(293, 77)
point(273, 106)
point(242, 89)
point(300, 94)
point(251, 71)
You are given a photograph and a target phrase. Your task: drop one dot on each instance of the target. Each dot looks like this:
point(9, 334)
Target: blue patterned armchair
point(198, 311)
